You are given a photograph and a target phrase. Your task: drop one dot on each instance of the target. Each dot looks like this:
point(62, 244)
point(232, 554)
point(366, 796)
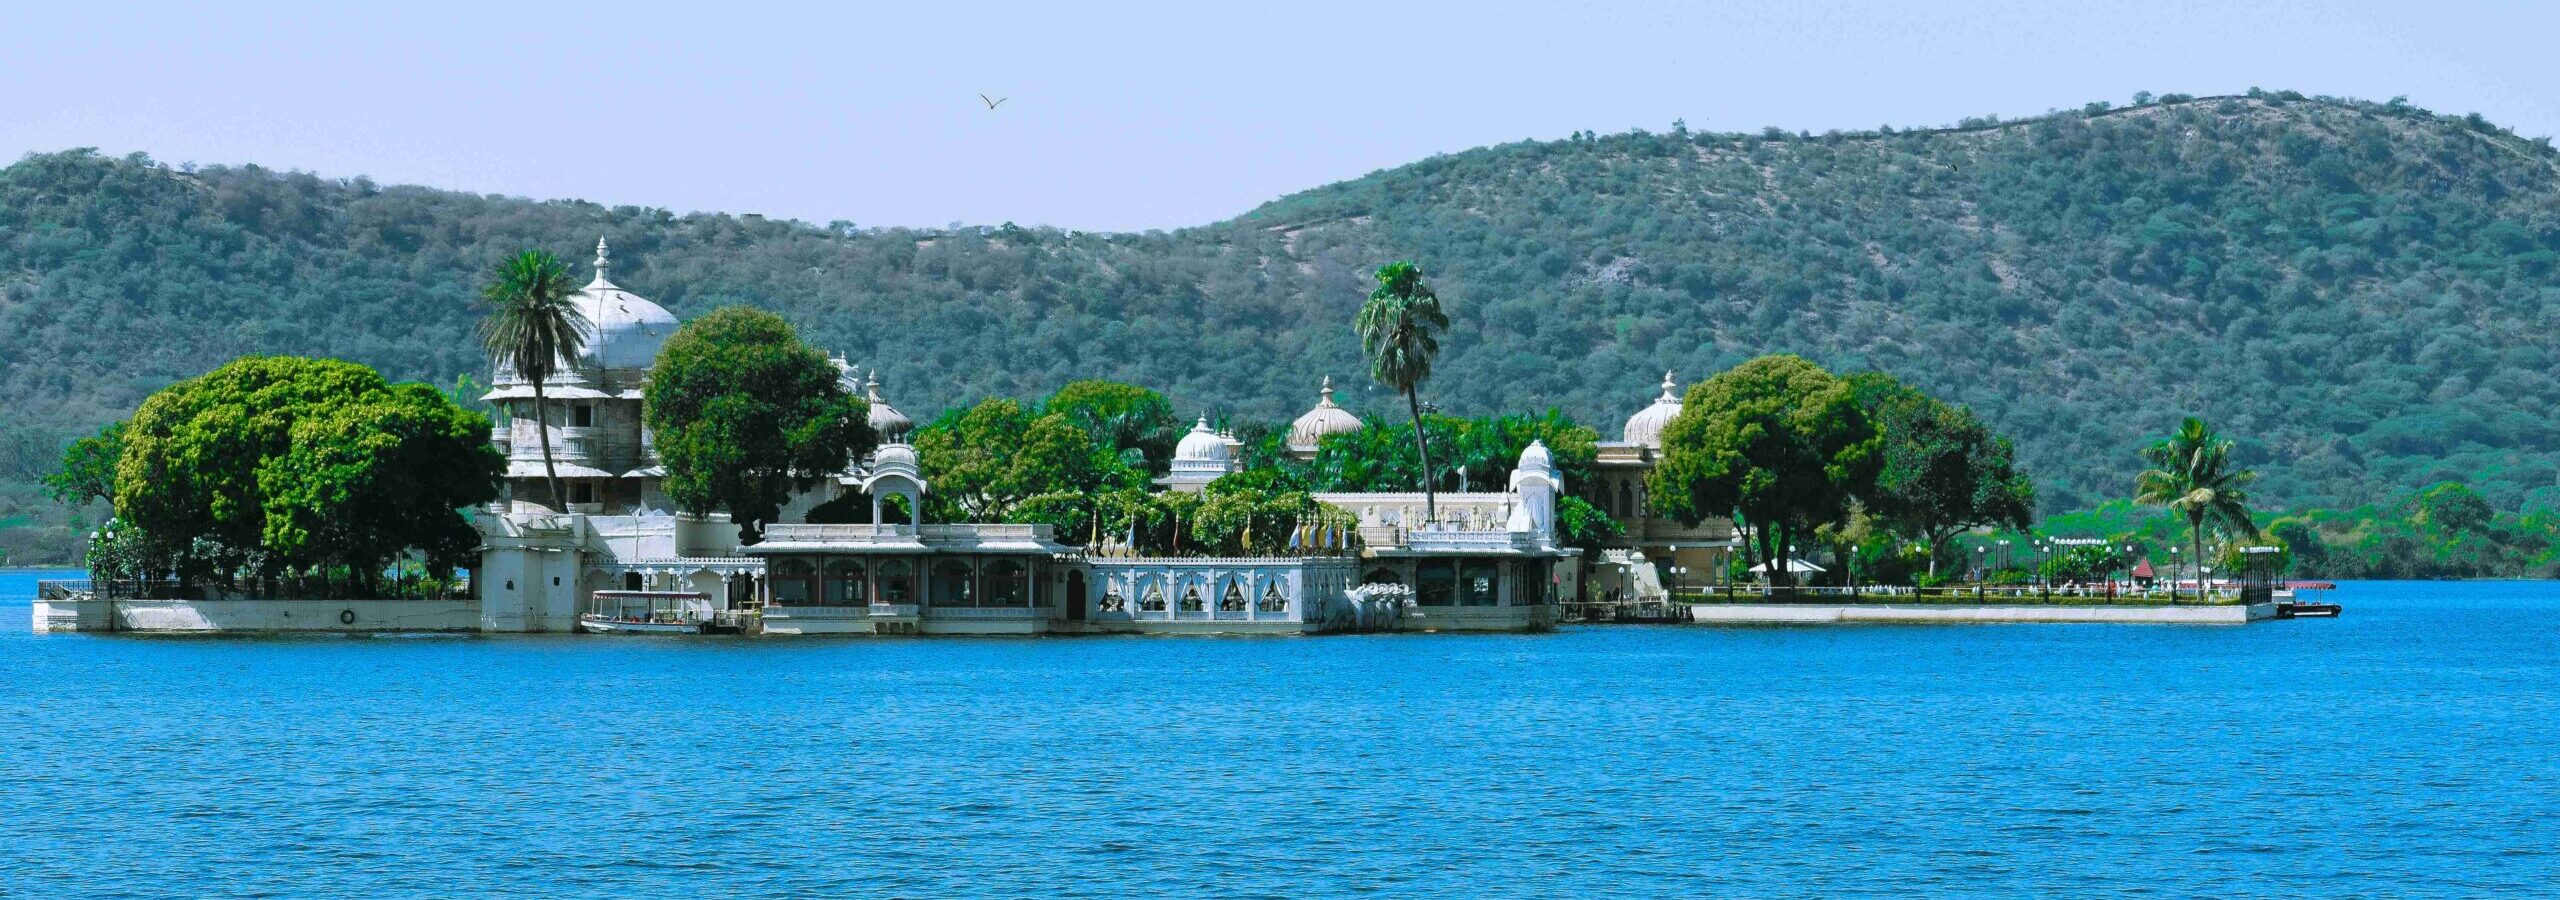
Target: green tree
point(1943, 472)
point(534, 327)
point(1775, 442)
point(304, 467)
point(986, 461)
point(745, 414)
point(2452, 507)
point(1398, 329)
point(2192, 475)
point(88, 471)
point(370, 479)
point(1136, 423)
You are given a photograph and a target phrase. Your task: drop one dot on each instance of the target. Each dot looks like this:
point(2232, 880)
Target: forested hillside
point(2367, 294)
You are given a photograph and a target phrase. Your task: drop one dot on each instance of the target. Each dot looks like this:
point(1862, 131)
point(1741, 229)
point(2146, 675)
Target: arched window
point(897, 582)
point(1233, 599)
point(791, 579)
point(845, 584)
point(1151, 599)
point(1007, 585)
point(1191, 598)
point(1112, 602)
point(1626, 501)
point(952, 585)
point(1272, 601)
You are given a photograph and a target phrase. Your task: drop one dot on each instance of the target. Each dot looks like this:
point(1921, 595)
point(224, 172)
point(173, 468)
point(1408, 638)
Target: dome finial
point(871, 386)
point(1327, 392)
point(1668, 385)
point(604, 256)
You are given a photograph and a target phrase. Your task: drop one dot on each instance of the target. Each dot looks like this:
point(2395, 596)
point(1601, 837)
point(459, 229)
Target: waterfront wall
point(1807, 613)
point(252, 616)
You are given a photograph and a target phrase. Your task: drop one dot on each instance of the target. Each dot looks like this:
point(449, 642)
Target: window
point(1191, 599)
point(1437, 583)
point(1626, 502)
point(952, 584)
point(791, 582)
point(1153, 599)
point(1007, 585)
point(582, 415)
point(1113, 602)
point(582, 492)
point(897, 582)
point(631, 581)
point(1481, 585)
point(1233, 599)
point(844, 584)
point(1272, 602)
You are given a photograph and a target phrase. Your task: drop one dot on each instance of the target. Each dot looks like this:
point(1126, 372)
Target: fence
point(2014, 595)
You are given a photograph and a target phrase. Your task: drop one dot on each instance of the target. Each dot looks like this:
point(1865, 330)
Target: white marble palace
point(1492, 562)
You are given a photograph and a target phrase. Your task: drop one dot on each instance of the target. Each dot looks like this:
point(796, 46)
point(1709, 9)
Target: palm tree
point(1395, 328)
point(533, 326)
point(2192, 474)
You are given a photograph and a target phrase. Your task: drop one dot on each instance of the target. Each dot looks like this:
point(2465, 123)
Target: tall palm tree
point(2192, 474)
point(1396, 328)
point(534, 327)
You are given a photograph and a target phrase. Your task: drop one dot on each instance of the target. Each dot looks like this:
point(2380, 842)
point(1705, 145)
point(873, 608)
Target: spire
point(1667, 387)
point(1328, 392)
point(871, 387)
point(604, 260)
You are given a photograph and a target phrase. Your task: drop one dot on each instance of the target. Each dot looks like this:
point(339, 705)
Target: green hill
point(2368, 292)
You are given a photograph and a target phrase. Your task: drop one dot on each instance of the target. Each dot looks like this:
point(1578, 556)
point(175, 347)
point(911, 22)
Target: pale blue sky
point(1134, 118)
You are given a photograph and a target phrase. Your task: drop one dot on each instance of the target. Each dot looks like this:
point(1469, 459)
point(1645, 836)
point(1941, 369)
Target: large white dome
point(1645, 427)
point(1324, 419)
point(1201, 446)
point(626, 331)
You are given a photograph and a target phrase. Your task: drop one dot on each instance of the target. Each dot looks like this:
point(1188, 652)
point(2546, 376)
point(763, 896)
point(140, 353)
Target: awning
point(1793, 565)
point(532, 468)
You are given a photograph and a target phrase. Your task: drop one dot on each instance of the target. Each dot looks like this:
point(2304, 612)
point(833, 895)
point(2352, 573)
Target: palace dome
point(1535, 458)
point(894, 457)
point(1326, 418)
point(1645, 427)
point(885, 419)
point(1202, 446)
point(624, 330)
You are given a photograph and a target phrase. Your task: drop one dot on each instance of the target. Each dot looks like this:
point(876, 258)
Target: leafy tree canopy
point(986, 461)
point(274, 466)
point(88, 471)
point(1943, 471)
point(1778, 443)
point(1136, 423)
point(745, 414)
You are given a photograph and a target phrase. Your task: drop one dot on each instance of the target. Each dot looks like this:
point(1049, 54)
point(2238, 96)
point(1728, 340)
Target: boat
point(593, 623)
point(2290, 605)
point(646, 612)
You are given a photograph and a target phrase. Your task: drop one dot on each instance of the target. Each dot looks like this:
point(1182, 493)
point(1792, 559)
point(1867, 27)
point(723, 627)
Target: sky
point(1132, 117)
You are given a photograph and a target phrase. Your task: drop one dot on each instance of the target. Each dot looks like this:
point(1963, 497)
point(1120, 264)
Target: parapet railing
point(2020, 595)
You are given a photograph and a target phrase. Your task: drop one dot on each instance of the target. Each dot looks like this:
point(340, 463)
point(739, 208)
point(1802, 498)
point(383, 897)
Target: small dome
point(1326, 418)
point(885, 419)
point(894, 456)
point(1202, 446)
point(624, 331)
point(1645, 427)
point(1535, 457)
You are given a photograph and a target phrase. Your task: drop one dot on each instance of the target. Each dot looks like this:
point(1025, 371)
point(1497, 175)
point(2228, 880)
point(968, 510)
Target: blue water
point(2411, 748)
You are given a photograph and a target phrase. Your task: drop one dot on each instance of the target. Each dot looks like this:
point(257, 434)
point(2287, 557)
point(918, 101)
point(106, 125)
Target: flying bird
point(993, 102)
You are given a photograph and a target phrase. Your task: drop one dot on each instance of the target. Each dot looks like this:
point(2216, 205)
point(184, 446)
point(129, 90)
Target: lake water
point(2409, 748)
